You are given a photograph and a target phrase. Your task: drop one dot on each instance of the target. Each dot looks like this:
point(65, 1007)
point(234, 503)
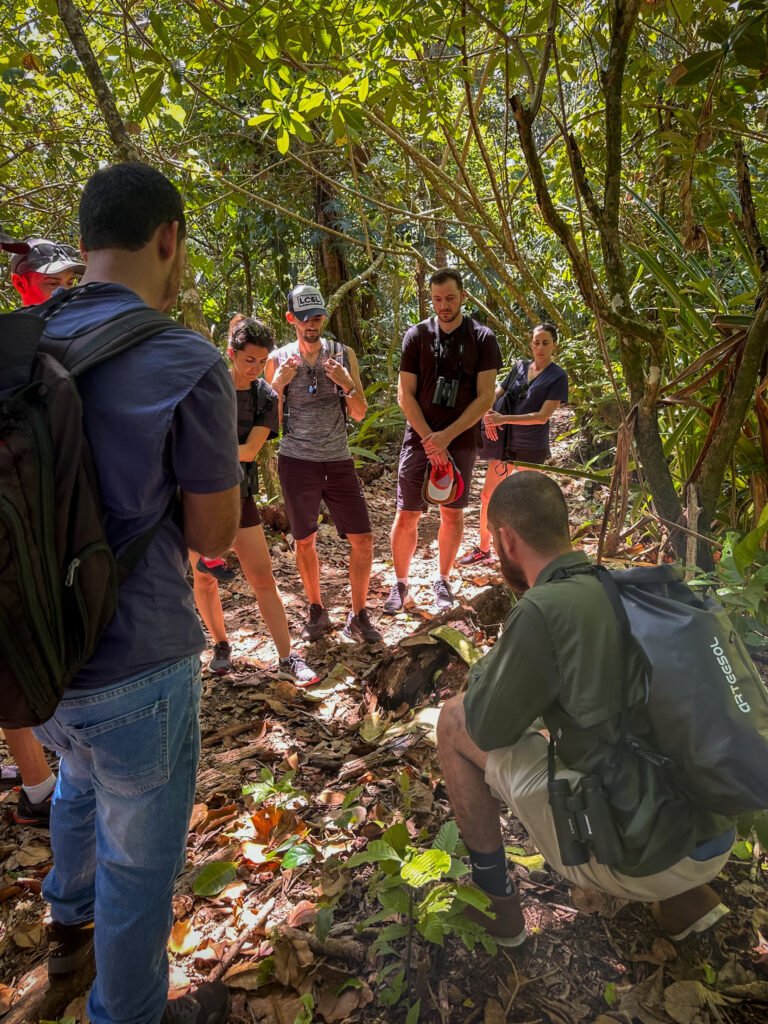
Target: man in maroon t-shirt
point(447, 383)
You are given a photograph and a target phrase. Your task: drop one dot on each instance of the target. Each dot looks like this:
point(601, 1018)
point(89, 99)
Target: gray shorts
point(517, 776)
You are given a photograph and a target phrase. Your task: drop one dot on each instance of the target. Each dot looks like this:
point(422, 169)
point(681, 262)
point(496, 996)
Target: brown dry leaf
point(663, 950)
point(293, 958)
point(184, 939)
point(199, 814)
point(684, 999)
point(757, 990)
point(178, 981)
point(605, 1019)
point(421, 797)
point(276, 1008)
point(6, 995)
point(760, 921)
point(215, 817)
point(245, 976)
point(334, 1007)
point(303, 913)
point(494, 1013)
point(645, 1000)
point(34, 853)
point(27, 936)
point(590, 901)
point(77, 1010)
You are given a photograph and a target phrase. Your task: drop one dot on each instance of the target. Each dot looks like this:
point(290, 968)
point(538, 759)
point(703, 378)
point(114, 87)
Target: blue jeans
point(119, 823)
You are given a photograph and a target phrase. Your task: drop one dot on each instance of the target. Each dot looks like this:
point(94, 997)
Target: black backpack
point(706, 702)
point(59, 577)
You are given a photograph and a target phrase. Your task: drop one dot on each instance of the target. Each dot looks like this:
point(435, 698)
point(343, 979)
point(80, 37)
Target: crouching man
point(560, 659)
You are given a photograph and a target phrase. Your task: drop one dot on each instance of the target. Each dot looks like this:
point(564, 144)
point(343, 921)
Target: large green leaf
point(215, 877)
point(428, 866)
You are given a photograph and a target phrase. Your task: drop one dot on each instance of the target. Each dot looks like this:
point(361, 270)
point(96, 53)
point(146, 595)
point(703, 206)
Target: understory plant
point(419, 893)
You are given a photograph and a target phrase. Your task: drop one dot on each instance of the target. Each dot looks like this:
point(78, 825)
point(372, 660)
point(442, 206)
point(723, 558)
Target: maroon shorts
point(412, 469)
point(305, 484)
point(249, 513)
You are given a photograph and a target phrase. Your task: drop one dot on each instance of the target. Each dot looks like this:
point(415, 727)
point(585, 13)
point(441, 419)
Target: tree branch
point(125, 148)
point(343, 290)
point(748, 215)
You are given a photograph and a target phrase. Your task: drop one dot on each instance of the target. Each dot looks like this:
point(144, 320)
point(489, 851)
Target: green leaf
point(610, 995)
point(412, 1016)
point(695, 69)
point(283, 141)
point(215, 877)
point(151, 95)
point(323, 922)
point(448, 837)
point(425, 867)
point(473, 896)
point(398, 837)
point(158, 24)
point(465, 649)
point(376, 851)
point(742, 850)
point(300, 854)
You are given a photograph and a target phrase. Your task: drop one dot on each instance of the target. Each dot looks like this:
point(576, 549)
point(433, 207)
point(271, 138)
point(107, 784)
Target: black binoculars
point(584, 823)
point(446, 390)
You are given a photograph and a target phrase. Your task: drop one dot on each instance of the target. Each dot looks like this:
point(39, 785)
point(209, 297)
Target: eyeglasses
point(312, 389)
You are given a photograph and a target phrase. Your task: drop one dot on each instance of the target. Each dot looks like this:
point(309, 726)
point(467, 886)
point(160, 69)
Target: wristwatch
point(352, 391)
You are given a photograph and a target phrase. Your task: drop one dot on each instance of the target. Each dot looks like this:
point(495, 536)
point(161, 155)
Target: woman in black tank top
point(250, 343)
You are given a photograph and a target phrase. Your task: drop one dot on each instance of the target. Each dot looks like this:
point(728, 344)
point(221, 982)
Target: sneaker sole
point(350, 638)
point(32, 822)
point(283, 674)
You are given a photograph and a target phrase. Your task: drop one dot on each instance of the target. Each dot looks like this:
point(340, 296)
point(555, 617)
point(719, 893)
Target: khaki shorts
point(517, 776)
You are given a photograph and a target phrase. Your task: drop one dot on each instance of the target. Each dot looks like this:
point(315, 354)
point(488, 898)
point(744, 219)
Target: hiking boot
point(216, 567)
point(34, 815)
point(475, 557)
point(397, 600)
point(508, 926)
point(69, 947)
point(359, 629)
point(690, 913)
point(206, 1004)
point(221, 662)
point(297, 670)
point(10, 776)
point(444, 597)
point(317, 625)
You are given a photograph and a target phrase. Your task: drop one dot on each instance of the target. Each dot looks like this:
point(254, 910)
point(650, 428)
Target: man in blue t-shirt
point(127, 729)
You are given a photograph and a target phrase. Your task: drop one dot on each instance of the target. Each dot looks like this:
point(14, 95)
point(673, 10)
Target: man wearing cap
point(38, 268)
point(318, 381)
point(447, 383)
point(44, 267)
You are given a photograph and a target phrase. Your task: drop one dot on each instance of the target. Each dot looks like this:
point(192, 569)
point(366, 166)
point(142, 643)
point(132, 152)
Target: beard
point(513, 574)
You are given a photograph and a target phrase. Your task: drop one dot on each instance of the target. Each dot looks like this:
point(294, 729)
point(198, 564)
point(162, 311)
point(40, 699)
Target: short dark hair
point(532, 505)
point(447, 274)
point(246, 330)
point(545, 325)
point(122, 206)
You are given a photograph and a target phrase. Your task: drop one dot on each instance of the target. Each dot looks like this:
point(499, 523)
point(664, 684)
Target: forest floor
point(330, 771)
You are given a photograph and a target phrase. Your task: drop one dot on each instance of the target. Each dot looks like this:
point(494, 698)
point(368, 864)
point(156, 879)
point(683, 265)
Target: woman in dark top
point(250, 343)
point(517, 428)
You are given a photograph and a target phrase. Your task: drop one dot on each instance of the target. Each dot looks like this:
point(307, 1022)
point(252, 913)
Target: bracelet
point(352, 391)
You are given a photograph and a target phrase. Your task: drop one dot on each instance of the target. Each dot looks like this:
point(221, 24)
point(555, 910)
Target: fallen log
point(423, 661)
point(43, 1000)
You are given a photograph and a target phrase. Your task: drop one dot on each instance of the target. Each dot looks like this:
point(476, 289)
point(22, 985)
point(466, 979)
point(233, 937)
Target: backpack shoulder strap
point(81, 352)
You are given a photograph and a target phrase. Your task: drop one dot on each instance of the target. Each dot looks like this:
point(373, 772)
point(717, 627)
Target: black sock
point(489, 871)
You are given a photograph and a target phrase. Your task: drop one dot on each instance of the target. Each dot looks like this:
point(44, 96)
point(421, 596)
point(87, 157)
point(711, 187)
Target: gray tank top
point(316, 426)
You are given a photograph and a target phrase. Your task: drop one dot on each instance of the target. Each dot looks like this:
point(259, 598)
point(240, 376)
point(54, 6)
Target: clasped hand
point(436, 447)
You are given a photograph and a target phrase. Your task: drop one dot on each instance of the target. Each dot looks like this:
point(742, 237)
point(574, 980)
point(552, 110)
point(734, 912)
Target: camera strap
point(438, 348)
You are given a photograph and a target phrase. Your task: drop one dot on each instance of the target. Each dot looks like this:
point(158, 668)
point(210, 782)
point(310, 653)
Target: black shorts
point(305, 484)
point(412, 468)
point(249, 513)
point(536, 456)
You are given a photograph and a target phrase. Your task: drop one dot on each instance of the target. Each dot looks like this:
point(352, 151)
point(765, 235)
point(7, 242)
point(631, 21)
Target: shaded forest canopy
point(598, 165)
